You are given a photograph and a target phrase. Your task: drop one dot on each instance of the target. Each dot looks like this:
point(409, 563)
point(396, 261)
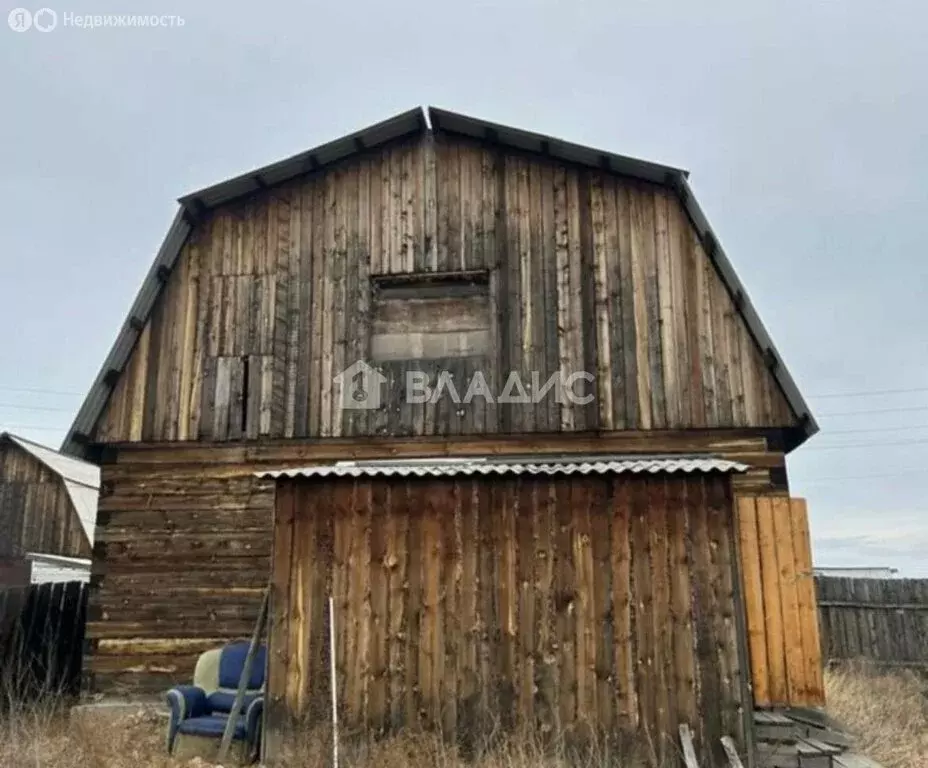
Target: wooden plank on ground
point(729, 746)
point(849, 760)
point(689, 751)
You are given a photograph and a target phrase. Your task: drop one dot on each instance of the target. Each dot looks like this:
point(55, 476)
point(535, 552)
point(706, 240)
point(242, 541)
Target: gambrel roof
point(414, 122)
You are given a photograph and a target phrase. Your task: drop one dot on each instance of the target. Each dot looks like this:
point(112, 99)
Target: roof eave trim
point(92, 408)
point(443, 120)
point(407, 123)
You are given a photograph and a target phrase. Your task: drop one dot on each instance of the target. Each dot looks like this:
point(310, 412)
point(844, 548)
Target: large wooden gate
point(564, 602)
point(779, 596)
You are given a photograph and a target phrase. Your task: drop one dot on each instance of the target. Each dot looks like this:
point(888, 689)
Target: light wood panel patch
point(780, 605)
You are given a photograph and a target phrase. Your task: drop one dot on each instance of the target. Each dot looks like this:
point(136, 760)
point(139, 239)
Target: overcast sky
point(803, 124)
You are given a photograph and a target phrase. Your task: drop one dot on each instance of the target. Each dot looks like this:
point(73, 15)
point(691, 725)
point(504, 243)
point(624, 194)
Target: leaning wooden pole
point(243, 680)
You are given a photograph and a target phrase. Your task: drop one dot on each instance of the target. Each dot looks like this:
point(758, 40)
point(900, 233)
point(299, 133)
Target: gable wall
point(36, 513)
point(272, 297)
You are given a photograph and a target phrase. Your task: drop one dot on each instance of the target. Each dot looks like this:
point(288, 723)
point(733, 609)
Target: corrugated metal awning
point(603, 465)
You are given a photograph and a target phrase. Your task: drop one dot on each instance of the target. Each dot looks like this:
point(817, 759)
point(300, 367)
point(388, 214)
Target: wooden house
point(601, 535)
point(48, 507)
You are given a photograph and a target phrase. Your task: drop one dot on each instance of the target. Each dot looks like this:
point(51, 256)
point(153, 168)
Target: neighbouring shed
point(48, 507)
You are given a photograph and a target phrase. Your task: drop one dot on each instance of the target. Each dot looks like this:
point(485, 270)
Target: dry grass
point(45, 737)
point(887, 713)
point(427, 750)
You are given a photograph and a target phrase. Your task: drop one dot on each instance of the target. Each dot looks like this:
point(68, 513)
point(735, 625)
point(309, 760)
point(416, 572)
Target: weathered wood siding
point(588, 271)
point(36, 513)
point(184, 534)
point(563, 603)
point(180, 563)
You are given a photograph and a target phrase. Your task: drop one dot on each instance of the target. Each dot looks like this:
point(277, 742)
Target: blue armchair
point(199, 712)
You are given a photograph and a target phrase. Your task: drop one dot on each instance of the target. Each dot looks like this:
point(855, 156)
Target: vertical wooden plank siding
point(780, 604)
point(589, 271)
point(552, 602)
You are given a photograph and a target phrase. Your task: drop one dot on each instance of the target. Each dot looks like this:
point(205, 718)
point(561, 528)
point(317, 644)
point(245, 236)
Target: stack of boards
point(803, 738)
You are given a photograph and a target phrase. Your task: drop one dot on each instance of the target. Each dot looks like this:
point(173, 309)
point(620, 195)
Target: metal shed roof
point(409, 123)
point(604, 465)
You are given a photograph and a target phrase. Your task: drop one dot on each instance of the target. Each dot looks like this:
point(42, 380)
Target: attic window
point(430, 316)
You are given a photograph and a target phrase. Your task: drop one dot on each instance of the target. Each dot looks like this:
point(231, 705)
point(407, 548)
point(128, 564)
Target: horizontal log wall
point(884, 621)
point(184, 534)
point(36, 512)
point(180, 563)
point(588, 271)
point(563, 603)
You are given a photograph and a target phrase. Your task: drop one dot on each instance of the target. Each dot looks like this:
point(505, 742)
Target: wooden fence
point(41, 639)
point(882, 620)
point(779, 596)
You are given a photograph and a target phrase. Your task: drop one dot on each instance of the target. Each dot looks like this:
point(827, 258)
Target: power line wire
point(906, 409)
point(13, 427)
point(870, 393)
point(865, 445)
point(37, 391)
point(17, 407)
point(843, 478)
point(906, 428)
